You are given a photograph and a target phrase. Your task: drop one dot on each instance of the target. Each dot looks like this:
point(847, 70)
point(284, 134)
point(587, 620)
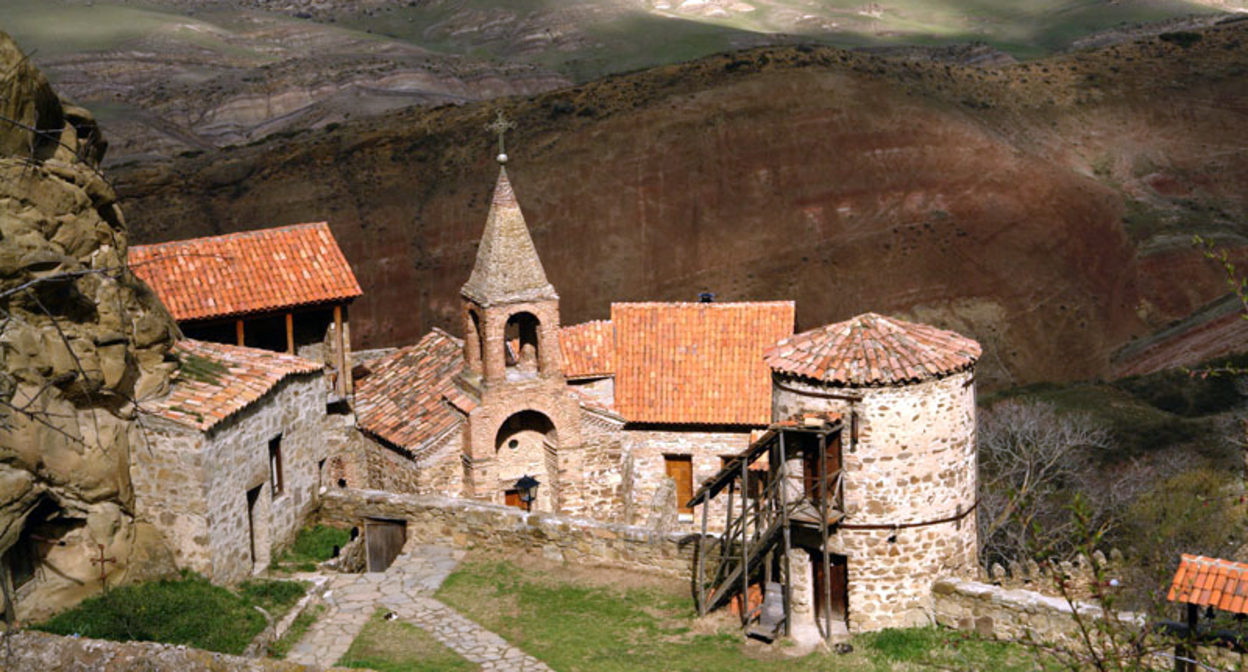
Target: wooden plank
point(290, 333)
point(701, 577)
point(340, 386)
point(788, 548)
point(238, 328)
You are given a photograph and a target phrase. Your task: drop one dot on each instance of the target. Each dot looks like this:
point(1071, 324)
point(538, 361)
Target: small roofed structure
point(283, 289)
point(905, 476)
point(231, 464)
point(1211, 583)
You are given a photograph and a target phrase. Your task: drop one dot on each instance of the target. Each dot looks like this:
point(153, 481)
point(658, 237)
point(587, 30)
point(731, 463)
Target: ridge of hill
point(1043, 207)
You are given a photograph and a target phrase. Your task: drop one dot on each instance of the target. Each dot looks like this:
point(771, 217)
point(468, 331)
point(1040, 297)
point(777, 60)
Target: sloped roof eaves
point(1211, 582)
point(406, 401)
point(696, 363)
point(249, 375)
point(588, 350)
point(247, 272)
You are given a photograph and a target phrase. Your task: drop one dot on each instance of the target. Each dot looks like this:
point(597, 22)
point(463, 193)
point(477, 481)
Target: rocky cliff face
point(81, 341)
point(1044, 208)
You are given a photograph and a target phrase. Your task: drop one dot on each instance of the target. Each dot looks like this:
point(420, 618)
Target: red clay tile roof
point(216, 381)
point(410, 398)
point(1211, 582)
point(872, 350)
point(696, 362)
point(248, 272)
point(588, 350)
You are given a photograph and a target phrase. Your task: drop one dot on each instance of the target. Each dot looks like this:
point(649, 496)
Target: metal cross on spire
point(500, 126)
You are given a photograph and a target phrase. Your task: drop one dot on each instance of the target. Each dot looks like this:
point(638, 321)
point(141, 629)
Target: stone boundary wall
point(28, 651)
point(1003, 613)
point(470, 524)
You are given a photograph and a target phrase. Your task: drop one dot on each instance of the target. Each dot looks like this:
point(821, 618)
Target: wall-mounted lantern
point(527, 488)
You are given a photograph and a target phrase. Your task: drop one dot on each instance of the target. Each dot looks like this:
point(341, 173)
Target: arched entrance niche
point(521, 341)
point(525, 445)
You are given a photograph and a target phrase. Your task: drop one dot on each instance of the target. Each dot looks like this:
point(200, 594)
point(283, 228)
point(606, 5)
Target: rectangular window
point(680, 469)
point(275, 465)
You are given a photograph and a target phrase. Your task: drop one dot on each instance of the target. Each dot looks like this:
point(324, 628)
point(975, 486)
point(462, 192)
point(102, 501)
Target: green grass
point(395, 646)
point(313, 545)
point(302, 623)
point(576, 626)
point(189, 610)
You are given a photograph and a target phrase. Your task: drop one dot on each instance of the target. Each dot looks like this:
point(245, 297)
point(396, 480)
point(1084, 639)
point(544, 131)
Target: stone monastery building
point(618, 420)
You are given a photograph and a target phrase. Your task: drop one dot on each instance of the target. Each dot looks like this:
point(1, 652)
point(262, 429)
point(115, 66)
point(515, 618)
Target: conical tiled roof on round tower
point(507, 269)
point(873, 350)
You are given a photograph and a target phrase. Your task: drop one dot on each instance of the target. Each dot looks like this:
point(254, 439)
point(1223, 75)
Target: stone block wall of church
point(914, 461)
point(168, 475)
point(593, 480)
point(194, 486)
point(707, 448)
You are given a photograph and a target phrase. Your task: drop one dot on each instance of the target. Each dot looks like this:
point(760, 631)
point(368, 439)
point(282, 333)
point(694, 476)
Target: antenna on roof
point(501, 125)
point(706, 297)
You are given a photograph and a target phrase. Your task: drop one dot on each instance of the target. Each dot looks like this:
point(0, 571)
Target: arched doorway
point(521, 341)
point(525, 445)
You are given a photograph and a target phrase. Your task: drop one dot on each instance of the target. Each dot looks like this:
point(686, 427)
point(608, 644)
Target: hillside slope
point(1043, 208)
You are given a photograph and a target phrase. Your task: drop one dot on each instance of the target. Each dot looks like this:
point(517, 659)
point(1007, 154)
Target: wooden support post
point(340, 388)
point(823, 525)
point(290, 333)
point(745, 543)
point(238, 328)
point(701, 575)
point(788, 563)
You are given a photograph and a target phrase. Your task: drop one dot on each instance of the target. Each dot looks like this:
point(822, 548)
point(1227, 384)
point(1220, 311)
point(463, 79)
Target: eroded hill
point(1044, 208)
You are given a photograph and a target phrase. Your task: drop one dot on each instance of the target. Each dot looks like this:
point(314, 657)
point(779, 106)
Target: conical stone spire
point(508, 269)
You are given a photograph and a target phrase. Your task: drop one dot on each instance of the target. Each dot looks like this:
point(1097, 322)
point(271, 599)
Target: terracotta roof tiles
point(411, 396)
point(216, 381)
point(1211, 582)
point(247, 272)
point(872, 350)
point(588, 350)
point(696, 363)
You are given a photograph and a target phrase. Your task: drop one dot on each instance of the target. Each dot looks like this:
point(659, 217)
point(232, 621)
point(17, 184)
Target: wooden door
point(512, 498)
point(838, 576)
point(383, 540)
point(680, 469)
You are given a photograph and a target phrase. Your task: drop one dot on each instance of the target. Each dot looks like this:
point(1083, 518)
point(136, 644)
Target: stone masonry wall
point(914, 461)
point(168, 476)
point(707, 448)
point(30, 651)
point(593, 483)
point(503, 530)
point(193, 487)
point(236, 460)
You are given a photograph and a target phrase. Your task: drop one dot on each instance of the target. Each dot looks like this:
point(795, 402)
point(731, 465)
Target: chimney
point(706, 297)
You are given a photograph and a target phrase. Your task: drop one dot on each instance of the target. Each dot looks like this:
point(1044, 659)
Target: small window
point(275, 465)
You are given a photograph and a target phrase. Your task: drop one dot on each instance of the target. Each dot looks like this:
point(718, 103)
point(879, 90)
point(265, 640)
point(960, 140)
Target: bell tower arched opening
point(523, 446)
point(521, 339)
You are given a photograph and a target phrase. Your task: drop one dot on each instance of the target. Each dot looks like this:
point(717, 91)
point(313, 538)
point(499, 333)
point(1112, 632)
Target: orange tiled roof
point(696, 362)
point(873, 349)
point(1211, 582)
point(248, 272)
point(216, 381)
point(411, 396)
point(588, 350)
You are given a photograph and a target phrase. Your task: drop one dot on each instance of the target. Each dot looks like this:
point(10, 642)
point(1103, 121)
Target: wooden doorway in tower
point(383, 541)
point(832, 588)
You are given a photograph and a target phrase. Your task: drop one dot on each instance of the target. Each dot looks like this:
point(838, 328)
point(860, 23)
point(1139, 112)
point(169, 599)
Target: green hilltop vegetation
point(583, 39)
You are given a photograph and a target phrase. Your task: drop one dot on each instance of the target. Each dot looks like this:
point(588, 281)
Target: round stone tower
point(907, 395)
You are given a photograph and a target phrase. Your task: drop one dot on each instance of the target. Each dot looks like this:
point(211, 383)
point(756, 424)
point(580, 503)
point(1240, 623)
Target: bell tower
point(528, 418)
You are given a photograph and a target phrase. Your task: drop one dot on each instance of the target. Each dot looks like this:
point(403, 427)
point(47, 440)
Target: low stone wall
point(469, 524)
point(40, 652)
point(992, 611)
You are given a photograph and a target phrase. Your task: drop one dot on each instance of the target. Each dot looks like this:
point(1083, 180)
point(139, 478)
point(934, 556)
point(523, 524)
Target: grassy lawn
point(189, 610)
point(313, 545)
point(574, 623)
point(395, 646)
point(302, 623)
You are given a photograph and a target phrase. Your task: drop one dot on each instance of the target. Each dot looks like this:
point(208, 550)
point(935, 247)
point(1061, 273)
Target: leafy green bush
point(189, 610)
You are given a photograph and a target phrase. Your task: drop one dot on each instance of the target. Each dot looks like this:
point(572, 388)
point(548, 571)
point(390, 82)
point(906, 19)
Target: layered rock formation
point(1044, 208)
point(81, 341)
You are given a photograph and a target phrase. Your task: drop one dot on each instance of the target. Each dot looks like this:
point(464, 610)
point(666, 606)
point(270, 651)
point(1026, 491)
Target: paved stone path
point(405, 589)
